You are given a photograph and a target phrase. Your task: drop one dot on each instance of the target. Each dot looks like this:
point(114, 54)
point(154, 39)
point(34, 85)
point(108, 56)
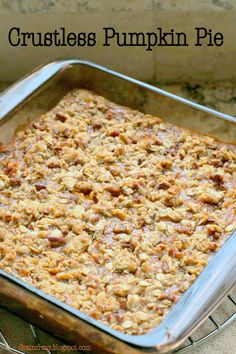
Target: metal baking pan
point(36, 94)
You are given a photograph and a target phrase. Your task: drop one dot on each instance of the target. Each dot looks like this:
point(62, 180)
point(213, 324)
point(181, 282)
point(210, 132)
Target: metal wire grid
point(8, 345)
point(216, 324)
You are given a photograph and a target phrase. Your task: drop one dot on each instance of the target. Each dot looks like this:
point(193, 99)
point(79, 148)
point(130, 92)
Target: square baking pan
point(37, 93)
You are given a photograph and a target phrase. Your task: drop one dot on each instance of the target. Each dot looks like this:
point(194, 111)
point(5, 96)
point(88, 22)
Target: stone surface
point(163, 64)
point(89, 6)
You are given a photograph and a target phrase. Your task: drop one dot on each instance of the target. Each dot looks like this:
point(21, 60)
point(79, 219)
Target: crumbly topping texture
point(113, 211)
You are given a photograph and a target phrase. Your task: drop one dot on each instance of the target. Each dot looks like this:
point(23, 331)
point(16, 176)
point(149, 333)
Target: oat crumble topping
point(113, 211)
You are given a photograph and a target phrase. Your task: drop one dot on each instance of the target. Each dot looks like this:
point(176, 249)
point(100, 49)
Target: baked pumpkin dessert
point(113, 211)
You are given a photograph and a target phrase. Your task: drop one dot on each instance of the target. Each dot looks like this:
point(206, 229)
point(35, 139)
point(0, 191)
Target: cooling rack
point(215, 323)
point(15, 331)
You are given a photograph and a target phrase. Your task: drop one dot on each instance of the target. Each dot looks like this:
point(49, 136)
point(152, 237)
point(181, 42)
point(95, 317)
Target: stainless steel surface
point(21, 103)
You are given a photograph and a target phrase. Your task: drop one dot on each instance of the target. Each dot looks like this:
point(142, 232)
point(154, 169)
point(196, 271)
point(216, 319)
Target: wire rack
point(14, 330)
point(215, 323)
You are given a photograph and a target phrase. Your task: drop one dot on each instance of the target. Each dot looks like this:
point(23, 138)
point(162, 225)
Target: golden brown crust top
point(113, 211)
